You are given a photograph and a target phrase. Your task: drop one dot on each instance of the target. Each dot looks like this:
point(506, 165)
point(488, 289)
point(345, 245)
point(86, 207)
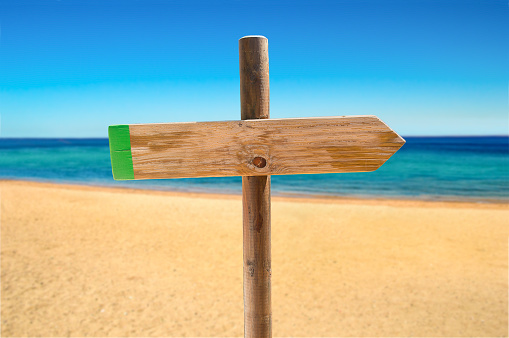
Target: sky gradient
point(70, 68)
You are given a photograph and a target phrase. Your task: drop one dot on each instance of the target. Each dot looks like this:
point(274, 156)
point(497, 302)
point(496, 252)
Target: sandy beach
point(88, 261)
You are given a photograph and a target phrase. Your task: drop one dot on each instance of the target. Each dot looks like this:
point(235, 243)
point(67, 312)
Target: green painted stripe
point(120, 152)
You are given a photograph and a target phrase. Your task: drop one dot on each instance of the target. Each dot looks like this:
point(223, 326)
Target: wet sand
point(88, 261)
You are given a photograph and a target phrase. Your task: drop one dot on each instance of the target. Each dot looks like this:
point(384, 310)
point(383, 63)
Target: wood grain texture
point(254, 77)
point(254, 104)
point(257, 256)
point(289, 146)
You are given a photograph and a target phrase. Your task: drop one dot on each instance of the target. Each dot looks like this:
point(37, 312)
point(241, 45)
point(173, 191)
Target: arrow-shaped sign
point(255, 148)
point(251, 147)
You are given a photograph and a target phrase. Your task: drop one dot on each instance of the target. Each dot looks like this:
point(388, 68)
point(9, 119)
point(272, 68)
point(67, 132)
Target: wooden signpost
point(254, 148)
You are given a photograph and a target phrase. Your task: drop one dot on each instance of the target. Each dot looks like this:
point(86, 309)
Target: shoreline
point(308, 198)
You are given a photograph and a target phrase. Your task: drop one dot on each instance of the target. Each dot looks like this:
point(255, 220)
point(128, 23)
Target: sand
point(86, 261)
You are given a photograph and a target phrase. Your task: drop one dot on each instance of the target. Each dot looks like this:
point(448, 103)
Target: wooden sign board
point(254, 148)
point(251, 147)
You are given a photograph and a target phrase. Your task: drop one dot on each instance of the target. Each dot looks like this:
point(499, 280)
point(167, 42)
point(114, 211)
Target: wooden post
point(254, 103)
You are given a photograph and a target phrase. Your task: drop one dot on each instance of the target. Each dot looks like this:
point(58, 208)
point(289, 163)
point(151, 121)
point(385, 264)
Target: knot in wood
point(259, 162)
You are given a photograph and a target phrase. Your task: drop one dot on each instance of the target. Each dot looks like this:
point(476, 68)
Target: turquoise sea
point(430, 168)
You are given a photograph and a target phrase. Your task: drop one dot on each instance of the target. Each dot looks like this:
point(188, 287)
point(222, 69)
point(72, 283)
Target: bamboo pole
point(254, 101)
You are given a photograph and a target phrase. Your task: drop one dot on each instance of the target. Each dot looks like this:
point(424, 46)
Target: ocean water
point(430, 168)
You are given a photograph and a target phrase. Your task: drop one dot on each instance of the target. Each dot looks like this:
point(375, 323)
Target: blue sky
point(70, 68)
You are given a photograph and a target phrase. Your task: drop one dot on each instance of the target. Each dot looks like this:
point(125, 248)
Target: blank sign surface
point(251, 147)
